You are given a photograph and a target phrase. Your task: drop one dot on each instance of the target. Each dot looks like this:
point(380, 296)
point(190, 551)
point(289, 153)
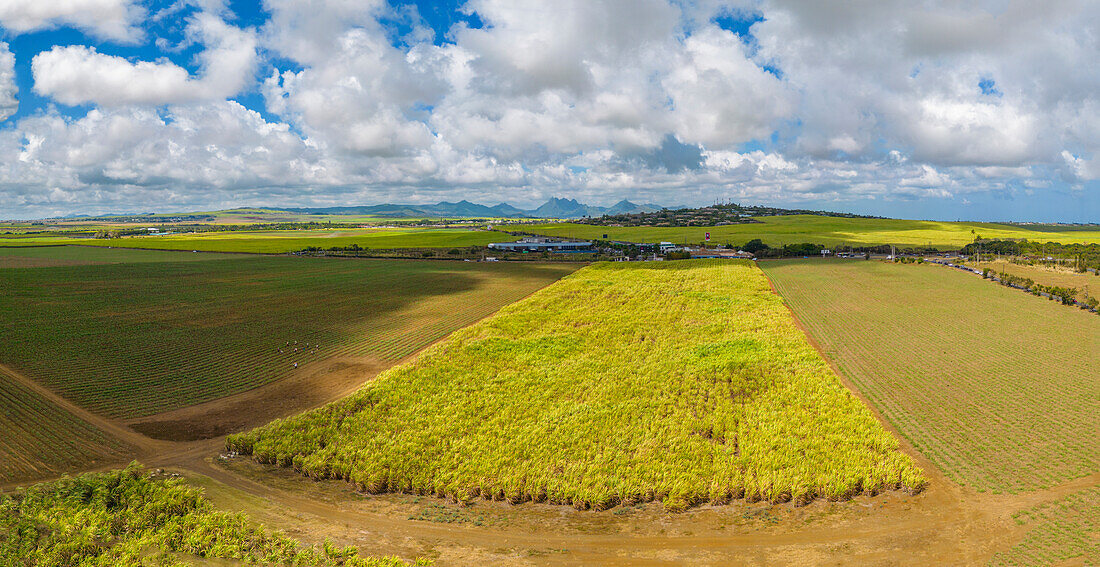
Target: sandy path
point(946, 524)
point(116, 429)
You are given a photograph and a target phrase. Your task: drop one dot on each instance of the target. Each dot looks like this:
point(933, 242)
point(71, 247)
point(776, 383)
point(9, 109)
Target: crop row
point(38, 438)
point(996, 388)
point(1059, 532)
point(135, 339)
point(682, 382)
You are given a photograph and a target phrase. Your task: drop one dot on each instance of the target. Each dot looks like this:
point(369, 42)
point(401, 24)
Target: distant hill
point(714, 215)
point(554, 208)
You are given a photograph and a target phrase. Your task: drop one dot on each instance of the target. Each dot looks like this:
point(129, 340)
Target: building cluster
point(621, 249)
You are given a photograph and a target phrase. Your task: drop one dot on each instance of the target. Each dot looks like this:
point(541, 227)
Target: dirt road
point(944, 525)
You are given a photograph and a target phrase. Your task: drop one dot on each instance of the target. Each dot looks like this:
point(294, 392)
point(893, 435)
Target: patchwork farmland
point(628, 391)
point(281, 241)
point(828, 231)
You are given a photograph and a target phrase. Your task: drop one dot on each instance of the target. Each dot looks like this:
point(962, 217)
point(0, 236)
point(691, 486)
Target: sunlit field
point(683, 382)
point(278, 242)
point(829, 231)
point(997, 387)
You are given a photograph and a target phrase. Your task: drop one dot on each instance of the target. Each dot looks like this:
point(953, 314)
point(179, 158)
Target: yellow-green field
point(684, 382)
point(129, 517)
point(828, 231)
point(279, 242)
point(997, 387)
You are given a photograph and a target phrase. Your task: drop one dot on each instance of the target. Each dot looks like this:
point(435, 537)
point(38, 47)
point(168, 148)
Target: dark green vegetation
point(39, 438)
point(714, 215)
point(684, 382)
point(128, 517)
point(134, 339)
point(998, 388)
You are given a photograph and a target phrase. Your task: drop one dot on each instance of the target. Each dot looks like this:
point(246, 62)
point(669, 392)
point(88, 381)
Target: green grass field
point(1064, 532)
point(46, 256)
point(828, 231)
point(38, 438)
point(128, 518)
point(997, 387)
point(279, 242)
point(683, 382)
point(137, 338)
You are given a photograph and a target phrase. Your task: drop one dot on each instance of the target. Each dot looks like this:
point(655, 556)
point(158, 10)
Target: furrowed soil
point(140, 333)
point(314, 385)
point(996, 387)
point(946, 524)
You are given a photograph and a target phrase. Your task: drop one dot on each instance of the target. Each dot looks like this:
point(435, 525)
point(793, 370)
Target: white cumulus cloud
point(79, 74)
point(108, 19)
point(9, 101)
point(819, 102)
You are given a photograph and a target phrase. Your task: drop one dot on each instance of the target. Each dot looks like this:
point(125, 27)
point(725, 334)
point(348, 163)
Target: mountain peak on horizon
point(554, 207)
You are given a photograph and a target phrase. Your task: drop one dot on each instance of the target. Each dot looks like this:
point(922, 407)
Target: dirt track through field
point(119, 431)
point(313, 385)
point(945, 525)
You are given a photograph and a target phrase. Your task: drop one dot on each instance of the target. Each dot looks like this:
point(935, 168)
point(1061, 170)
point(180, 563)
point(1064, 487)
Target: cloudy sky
point(976, 110)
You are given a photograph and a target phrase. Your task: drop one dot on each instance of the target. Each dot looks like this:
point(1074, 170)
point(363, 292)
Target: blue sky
point(988, 112)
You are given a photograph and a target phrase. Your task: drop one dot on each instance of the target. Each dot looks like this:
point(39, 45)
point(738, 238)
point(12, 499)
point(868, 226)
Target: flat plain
point(997, 387)
point(659, 363)
point(47, 256)
point(829, 231)
point(282, 241)
point(683, 382)
point(133, 339)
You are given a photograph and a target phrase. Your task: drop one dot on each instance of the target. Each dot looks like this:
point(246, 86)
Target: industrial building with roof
point(542, 245)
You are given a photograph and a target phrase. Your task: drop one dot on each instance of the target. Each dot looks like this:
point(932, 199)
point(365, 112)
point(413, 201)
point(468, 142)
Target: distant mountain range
point(554, 208)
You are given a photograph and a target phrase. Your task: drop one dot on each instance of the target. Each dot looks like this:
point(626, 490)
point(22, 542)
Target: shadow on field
point(175, 334)
point(311, 386)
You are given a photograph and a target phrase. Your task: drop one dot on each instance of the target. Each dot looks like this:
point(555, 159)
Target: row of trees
point(1066, 295)
point(1080, 257)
